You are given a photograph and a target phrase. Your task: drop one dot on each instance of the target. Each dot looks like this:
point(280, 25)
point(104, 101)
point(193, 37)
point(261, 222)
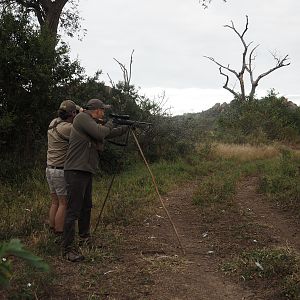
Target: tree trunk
point(52, 13)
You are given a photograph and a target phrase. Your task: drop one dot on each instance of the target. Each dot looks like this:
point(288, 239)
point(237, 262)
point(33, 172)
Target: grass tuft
point(277, 267)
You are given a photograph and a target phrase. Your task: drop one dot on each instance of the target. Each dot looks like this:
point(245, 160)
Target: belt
point(52, 167)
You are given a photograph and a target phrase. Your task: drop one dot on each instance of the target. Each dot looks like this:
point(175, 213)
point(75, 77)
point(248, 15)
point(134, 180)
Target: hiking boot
point(73, 256)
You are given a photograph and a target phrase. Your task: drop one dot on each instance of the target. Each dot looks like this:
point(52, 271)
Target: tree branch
point(280, 63)
point(225, 86)
point(111, 81)
point(126, 76)
point(222, 66)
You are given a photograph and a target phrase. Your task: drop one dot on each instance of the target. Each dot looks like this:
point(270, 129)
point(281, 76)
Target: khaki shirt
point(58, 142)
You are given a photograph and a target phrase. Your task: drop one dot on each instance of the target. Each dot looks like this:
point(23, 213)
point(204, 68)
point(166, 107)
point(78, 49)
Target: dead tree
point(248, 58)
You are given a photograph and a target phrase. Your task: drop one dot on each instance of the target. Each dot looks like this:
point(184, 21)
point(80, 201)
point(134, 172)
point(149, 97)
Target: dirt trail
point(281, 227)
point(208, 238)
point(151, 266)
point(199, 277)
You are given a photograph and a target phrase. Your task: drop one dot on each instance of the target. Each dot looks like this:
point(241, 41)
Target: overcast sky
point(170, 38)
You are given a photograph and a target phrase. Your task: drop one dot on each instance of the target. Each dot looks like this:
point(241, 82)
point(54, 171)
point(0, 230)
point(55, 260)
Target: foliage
point(15, 248)
point(280, 181)
point(35, 78)
point(31, 73)
point(49, 15)
point(259, 121)
point(220, 186)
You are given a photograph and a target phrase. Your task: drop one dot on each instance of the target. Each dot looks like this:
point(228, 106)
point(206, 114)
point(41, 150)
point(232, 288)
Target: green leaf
point(15, 247)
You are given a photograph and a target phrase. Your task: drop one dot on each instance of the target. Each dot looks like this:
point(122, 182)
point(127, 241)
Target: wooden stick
point(157, 191)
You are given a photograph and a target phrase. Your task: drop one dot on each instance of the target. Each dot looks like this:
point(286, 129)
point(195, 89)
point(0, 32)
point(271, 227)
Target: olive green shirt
point(86, 138)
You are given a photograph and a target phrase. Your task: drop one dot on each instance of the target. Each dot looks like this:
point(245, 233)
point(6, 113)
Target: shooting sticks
point(156, 189)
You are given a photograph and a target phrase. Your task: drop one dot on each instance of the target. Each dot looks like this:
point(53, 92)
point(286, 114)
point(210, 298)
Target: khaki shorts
point(56, 181)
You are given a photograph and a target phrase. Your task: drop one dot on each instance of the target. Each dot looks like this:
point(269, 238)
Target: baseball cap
point(96, 104)
point(68, 106)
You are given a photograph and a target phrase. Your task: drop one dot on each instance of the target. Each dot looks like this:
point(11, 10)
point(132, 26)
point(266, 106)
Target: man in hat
point(58, 143)
point(86, 139)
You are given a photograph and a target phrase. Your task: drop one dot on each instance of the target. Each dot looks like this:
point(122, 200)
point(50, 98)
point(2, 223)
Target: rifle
point(125, 120)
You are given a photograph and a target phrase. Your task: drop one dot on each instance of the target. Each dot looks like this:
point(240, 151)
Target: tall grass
point(25, 207)
point(280, 181)
point(246, 152)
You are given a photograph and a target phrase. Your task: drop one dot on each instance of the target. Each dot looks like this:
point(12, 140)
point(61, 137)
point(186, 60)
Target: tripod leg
point(104, 202)
point(157, 191)
point(110, 186)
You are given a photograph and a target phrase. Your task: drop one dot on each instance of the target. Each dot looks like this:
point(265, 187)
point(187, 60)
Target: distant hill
point(261, 116)
point(197, 126)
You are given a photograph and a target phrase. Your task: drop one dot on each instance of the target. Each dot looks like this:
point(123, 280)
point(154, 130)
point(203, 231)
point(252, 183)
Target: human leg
point(54, 199)
point(53, 210)
point(60, 214)
point(57, 185)
point(84, 220)
point(76, 186)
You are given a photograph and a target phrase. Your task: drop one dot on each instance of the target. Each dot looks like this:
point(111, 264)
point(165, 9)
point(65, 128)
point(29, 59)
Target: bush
point(258, 121)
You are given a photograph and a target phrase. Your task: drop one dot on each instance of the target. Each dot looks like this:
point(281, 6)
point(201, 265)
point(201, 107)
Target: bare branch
point(225, 86)
point(126, 76)
point(130, 66)
point(241, 36)
point(222, 66)
point(280, 63)
point(249, 68)
point(111, 81)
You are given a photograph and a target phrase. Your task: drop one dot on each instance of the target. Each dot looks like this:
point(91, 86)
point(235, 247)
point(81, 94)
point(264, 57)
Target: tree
point(52, 13)
point(32, 79)
point(49, 13)
point(248, 58)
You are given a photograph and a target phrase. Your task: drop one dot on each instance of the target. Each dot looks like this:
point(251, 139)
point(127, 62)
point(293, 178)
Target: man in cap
point(86, 139)
point(58, 143)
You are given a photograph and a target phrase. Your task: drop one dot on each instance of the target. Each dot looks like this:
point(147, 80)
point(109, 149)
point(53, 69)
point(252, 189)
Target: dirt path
point(149, 264)
point(199, 276)
point(281, 227)
point(160, 271)
point(155, 266)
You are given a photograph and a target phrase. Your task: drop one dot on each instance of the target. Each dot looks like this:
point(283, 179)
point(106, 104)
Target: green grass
point(25, 208)
point(220, 183)
point(279, 268)
point(280, 181)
